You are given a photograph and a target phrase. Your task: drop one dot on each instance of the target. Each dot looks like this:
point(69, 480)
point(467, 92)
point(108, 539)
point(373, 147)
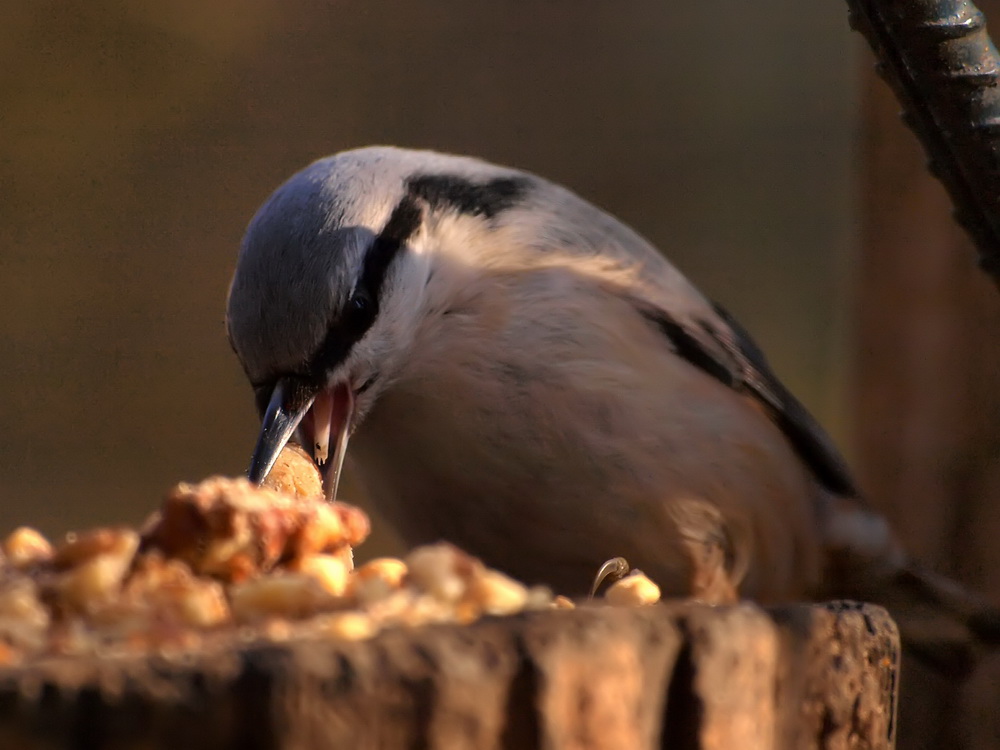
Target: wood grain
point(673, 675)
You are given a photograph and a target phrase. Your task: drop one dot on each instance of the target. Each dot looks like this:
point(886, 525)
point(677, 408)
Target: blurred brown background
point(747, 140)
point(137, 140)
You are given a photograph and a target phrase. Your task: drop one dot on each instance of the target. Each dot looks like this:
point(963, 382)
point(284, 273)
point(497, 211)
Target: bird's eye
point(360, 311)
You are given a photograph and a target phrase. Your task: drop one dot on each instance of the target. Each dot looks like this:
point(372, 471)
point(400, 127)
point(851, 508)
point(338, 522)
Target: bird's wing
point(719, 346)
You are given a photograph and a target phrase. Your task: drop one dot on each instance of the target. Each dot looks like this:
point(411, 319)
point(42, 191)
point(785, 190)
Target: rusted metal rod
point(939, 60)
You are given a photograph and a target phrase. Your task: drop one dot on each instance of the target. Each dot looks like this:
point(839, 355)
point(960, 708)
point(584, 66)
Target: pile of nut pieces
point(271, 563)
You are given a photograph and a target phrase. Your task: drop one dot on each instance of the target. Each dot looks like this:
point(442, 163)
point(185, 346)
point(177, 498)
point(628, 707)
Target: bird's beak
point(331, 414)
point(289, 402)
point(325, 416)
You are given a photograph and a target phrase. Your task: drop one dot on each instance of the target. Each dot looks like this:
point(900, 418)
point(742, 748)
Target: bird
point(512, 369)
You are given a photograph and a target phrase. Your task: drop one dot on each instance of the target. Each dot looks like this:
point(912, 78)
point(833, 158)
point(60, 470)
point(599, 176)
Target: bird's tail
point(944, 624)
point(941, 622)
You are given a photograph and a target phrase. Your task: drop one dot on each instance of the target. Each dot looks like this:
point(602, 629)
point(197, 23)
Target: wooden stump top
point(674, 675)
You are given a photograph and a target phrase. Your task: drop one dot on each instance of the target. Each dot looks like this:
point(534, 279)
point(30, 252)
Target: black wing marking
point(729, 354)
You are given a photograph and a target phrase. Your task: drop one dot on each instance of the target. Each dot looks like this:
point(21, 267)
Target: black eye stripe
point(403, 222)
point(486, 199)
point(433, 191)
point(351, 323)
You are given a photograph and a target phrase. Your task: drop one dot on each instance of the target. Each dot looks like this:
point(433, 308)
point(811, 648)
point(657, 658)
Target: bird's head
point(332, 281)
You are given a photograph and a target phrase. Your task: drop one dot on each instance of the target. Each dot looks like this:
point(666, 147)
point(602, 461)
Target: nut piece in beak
point(323, 416)
point(294, 473)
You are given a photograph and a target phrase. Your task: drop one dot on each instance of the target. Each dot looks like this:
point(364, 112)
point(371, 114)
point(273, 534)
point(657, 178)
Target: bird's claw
point(615, 568)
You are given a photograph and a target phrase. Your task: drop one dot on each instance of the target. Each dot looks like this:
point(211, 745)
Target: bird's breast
point(546, 447)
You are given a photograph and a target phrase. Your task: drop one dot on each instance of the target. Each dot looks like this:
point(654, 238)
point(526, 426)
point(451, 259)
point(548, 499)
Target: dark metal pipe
point(938, 58)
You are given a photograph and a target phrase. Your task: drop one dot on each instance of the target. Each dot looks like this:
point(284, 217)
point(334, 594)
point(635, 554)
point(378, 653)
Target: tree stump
point(675, 675)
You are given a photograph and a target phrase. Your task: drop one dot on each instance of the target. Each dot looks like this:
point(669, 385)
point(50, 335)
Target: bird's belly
point(512, 519)
point(549, 502)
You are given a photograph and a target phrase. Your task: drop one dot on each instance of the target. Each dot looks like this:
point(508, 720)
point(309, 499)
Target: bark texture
point(669, 676)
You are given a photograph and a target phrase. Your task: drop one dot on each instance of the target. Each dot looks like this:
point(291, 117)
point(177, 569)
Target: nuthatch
point(525, 376)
